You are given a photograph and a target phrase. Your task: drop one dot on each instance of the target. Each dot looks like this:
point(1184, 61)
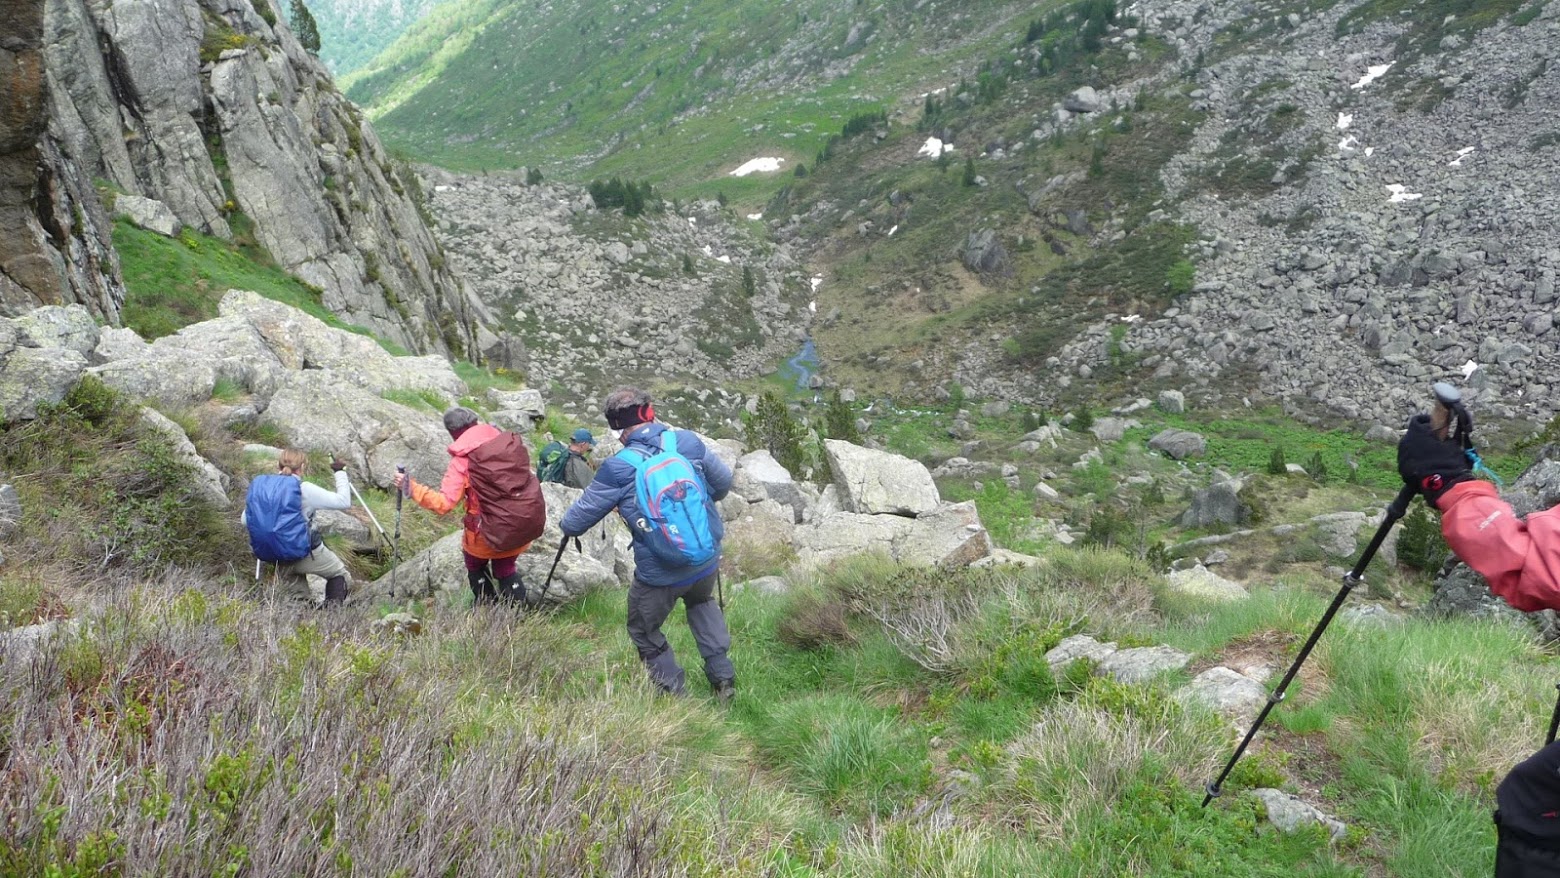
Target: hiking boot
point(335, 591)
point(725, 690)
point(511, 590)
point(481, 587)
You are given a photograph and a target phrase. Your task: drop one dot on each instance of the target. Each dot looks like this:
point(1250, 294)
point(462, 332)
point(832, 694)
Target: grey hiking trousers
point(648, 607)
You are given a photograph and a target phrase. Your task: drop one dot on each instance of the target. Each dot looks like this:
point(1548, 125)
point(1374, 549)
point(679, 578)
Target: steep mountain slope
point(212, 117)
point(353, 32)
point(684, 86)
point(1327, 203)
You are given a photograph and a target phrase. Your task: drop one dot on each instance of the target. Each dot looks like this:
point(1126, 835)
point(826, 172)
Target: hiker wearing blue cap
point(578, 472)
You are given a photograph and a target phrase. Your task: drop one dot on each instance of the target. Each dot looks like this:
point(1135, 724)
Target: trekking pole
point(556, 558)
point(1350, 580)
point(395, 546)
point(384, 536)
point(1450, 400)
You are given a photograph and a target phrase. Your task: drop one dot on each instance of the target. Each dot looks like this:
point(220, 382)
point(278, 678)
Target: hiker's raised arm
point(321, 498)
point(1519, 559)
point(598, 501)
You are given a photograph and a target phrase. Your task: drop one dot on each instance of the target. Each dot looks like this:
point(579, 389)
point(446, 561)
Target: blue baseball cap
point(583, 435)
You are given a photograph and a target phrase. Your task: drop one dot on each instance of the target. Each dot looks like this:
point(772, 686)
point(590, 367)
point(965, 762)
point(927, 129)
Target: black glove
point(337, 465)
point(1429, 464)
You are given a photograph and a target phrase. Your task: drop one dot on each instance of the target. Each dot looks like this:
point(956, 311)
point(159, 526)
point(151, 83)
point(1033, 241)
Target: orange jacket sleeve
point(450, 493)
point(1519, 559)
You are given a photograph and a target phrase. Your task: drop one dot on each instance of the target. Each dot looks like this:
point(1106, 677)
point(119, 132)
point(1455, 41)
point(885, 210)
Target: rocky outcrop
point(54, 234)
point(325, 389)
point(880, 482)
point(204, 113)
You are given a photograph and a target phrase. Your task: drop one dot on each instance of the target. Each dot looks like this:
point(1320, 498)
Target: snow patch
point(1345, 120)
point(725, 259)
point(755, 216)
point(764, 165)
point(934, 148)
point(816, 283)
point(813, 306)
point(1461, 154)
point(1349, 145)
point(1469, 368)
point(1372, 73)
point(693, 220)
point(1132, 318)
point(892, 231)
point(1400, 193)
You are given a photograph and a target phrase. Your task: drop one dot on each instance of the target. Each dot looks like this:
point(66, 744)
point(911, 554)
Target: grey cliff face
point(210, 109)
point(54, 235)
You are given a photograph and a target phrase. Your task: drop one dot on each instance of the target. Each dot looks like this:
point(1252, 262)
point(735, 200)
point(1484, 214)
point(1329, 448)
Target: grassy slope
point(497, 84)
point(173, 282)
point(206, 706)
point(824, 765)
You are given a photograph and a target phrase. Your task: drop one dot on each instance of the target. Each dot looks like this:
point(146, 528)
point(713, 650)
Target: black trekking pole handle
point(1350, 580)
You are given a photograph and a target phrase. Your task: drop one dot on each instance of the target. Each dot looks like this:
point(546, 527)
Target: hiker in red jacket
point(468, 435)
point(1520, 559)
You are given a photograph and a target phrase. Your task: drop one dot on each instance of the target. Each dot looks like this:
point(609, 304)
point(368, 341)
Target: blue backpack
point(674, 505)
point(273, 512)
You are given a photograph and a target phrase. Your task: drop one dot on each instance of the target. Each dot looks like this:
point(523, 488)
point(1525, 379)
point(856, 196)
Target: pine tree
point(303, 25)
point(772, 427)
point(533, 177)
point(839, 421)
point(1277, 465)
point(1420, 545)
point(969, 170)
point(749, 282)
point(1316, 468)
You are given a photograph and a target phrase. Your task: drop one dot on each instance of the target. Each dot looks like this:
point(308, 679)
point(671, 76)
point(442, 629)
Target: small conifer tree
point(1316, 468)
point(303, 25)
point(772, 427)
point(1420, 545)
point(1277, 465)
point(839, 421)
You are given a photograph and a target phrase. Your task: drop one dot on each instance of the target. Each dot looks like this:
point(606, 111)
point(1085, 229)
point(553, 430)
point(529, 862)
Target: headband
point(619, 419)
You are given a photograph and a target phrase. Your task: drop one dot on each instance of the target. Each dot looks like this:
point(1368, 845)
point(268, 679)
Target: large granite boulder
point(53, 326)
point(951, 536)
point(1179, 444)
point(32, 375)
point(880, 482)
point(317, 412)
point(758, 476)
point(1217, 504)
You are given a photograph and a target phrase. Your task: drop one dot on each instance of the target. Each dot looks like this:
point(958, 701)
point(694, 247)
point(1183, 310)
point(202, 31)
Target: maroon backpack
point(509, 498)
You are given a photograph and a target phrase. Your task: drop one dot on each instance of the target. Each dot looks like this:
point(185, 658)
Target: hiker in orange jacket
point(1520, 559)
point(456, 489)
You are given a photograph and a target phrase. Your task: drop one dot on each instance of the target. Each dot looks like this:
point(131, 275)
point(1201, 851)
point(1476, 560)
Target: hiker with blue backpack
point(279, 515)
point(664, 483)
